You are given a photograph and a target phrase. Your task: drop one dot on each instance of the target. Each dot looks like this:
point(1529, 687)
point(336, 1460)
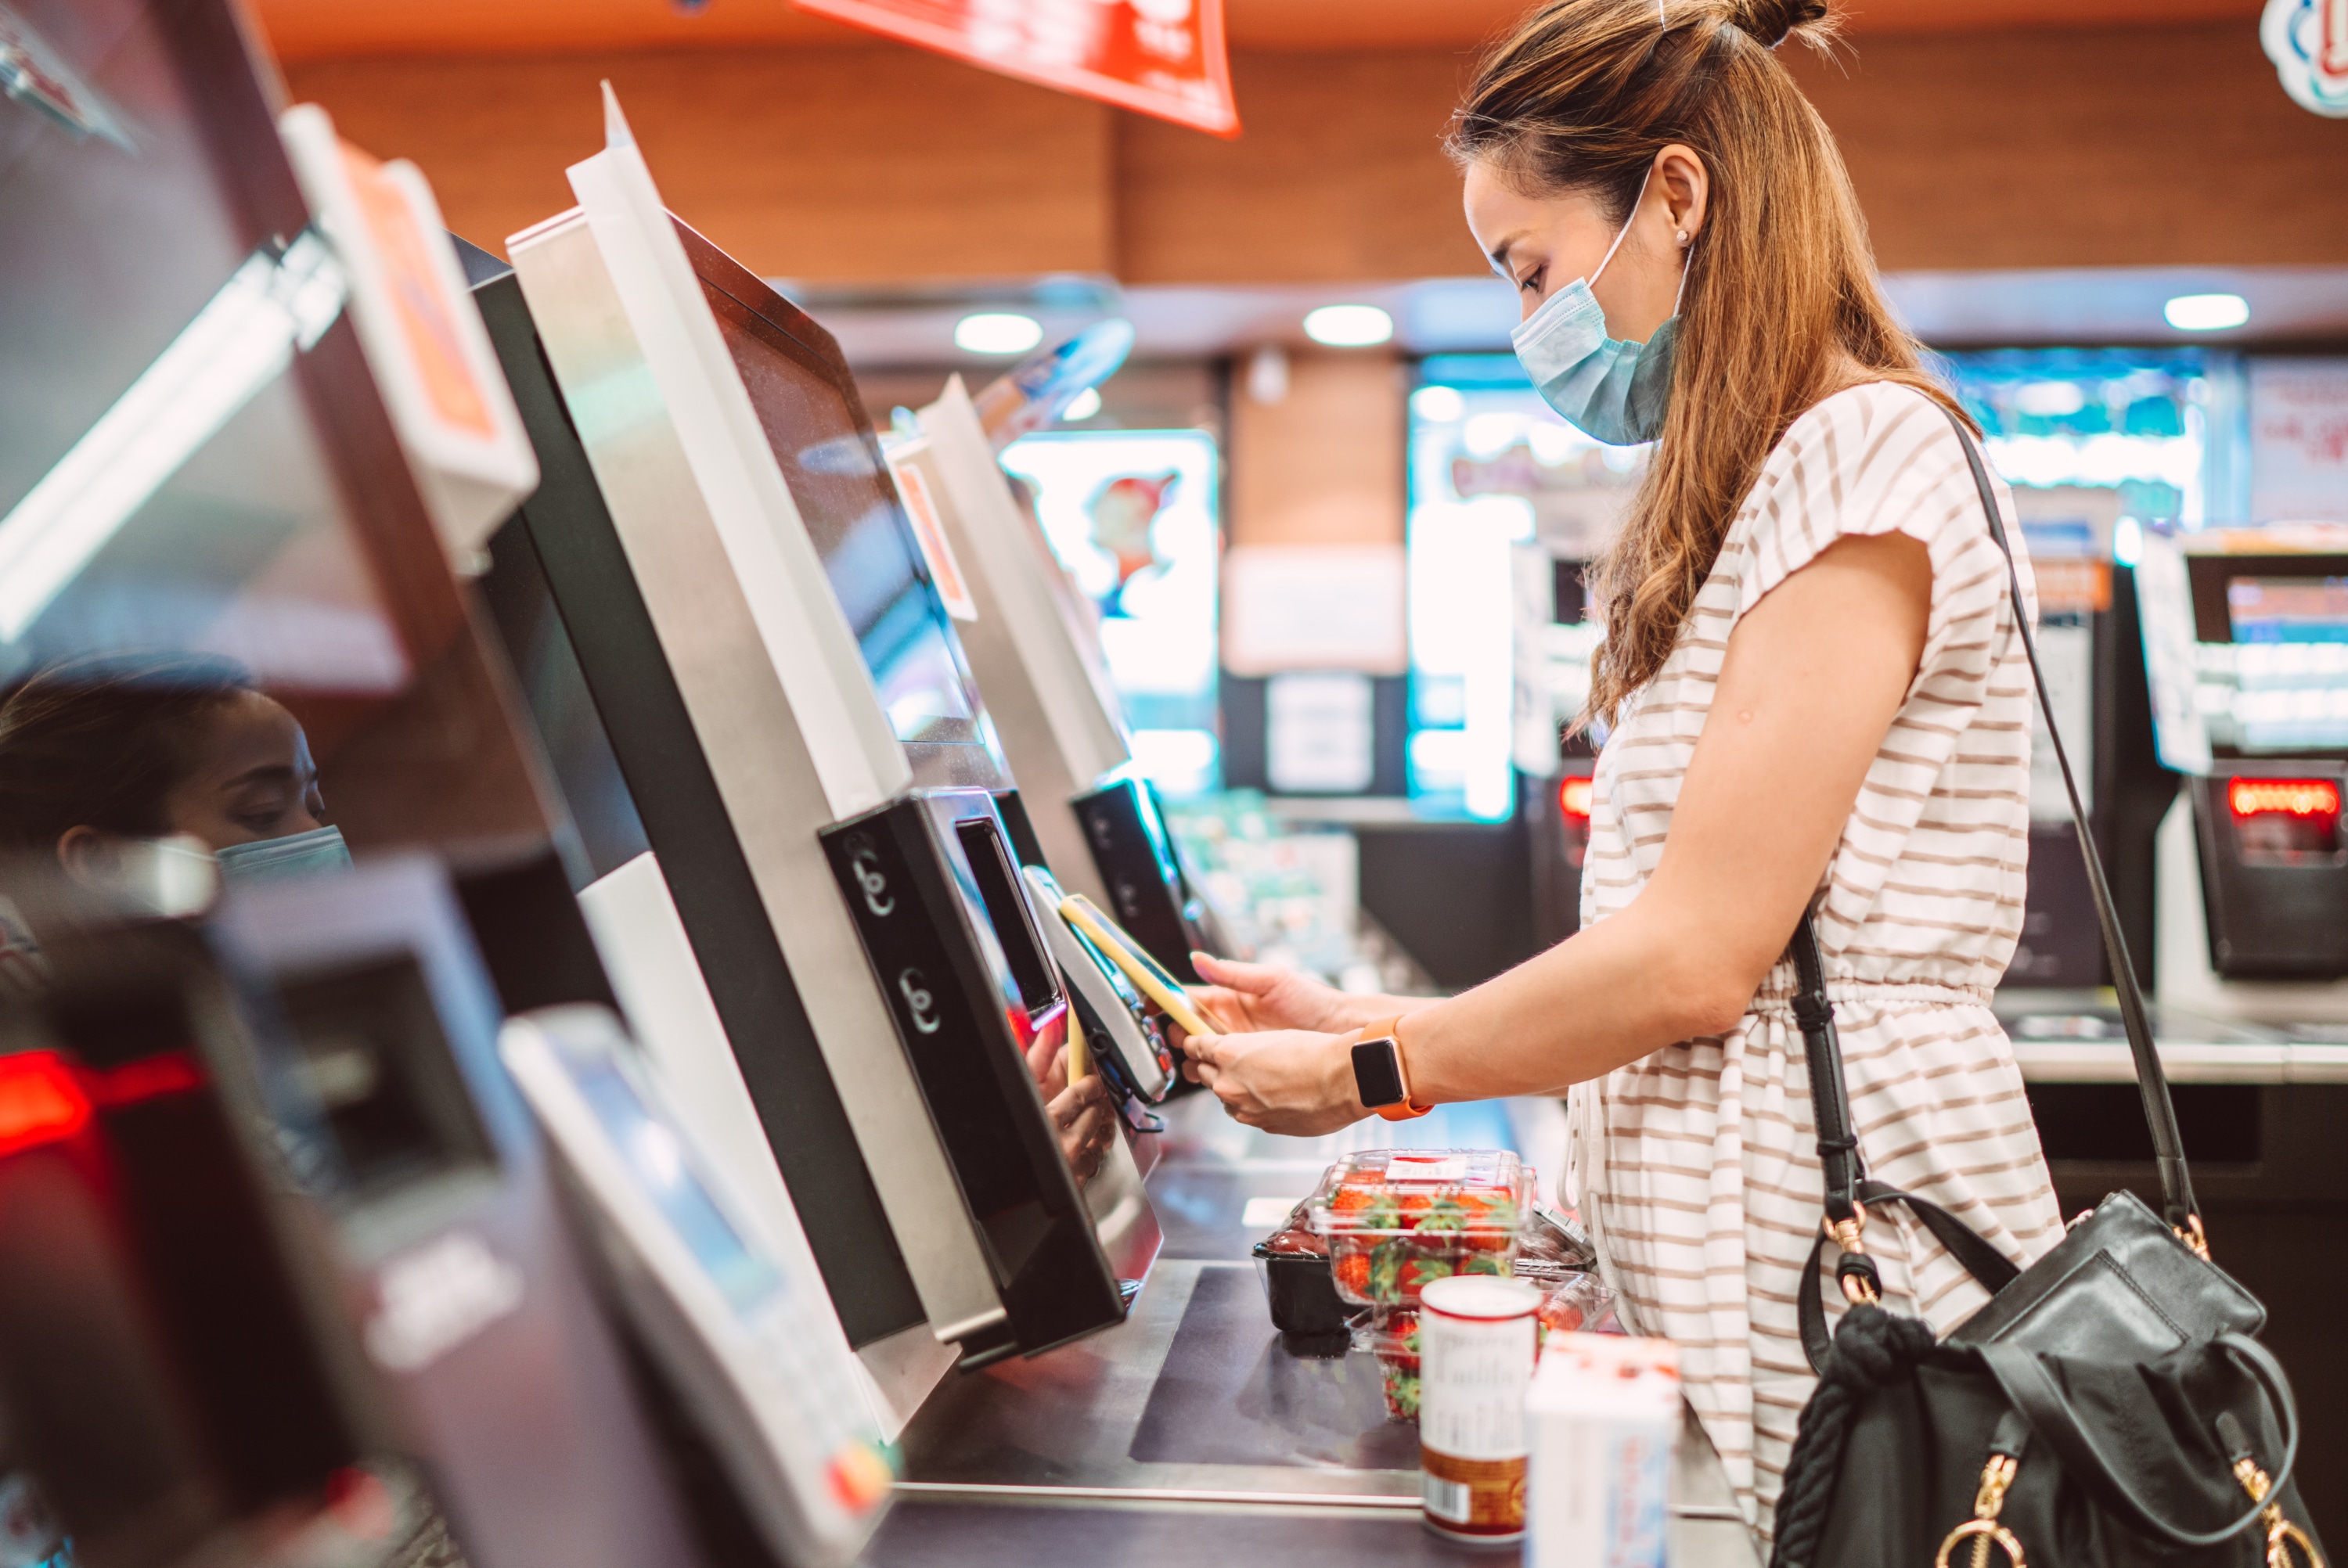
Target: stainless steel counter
point(1190, 1433)
point(2076, 1036)
point(2184, 1062)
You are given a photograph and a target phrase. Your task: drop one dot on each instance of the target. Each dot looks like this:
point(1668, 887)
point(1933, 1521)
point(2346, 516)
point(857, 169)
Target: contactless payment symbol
point(2308, 42)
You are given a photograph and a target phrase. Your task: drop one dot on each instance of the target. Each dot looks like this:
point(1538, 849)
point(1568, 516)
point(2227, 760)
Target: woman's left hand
point(1289, 1081)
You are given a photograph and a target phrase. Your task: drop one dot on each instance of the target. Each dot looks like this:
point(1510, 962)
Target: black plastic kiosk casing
point(932, 885)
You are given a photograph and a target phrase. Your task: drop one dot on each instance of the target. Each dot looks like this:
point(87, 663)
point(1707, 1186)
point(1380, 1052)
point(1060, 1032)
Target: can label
point(1482, 1498)
point(1474, 1371)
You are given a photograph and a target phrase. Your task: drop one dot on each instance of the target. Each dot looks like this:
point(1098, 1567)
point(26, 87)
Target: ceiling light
point(239, 342)
point(1439, 404)
point(997, 332)
point(2205, 312)
point(1084, 406)
point(2050, 399)
point(1349, 326)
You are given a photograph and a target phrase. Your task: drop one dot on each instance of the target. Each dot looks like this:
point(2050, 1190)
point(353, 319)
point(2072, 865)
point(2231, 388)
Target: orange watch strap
point(1410, 1109)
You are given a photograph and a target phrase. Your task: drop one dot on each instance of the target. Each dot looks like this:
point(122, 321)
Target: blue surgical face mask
point(1611, 390)
point(296, 855)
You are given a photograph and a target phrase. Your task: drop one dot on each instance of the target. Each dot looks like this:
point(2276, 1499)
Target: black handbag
point(2109, 1406)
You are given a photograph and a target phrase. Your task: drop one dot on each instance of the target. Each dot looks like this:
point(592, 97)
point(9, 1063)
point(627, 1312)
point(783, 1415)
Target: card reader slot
point(377, 1065)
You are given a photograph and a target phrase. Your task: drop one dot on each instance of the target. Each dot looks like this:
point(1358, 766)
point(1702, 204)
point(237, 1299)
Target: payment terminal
point(176, 1383)
point(2246, 645)
point(739, 1324)
point(736, 566)
point(426, 1173)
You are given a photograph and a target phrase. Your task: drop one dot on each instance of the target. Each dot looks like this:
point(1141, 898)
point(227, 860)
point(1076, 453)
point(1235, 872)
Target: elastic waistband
point(1777, 998)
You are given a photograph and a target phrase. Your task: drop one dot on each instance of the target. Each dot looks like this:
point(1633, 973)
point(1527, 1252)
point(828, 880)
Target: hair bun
point(1771, 21)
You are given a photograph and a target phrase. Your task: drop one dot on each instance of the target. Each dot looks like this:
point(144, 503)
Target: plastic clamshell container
point(1397, 1218)
point(1303, 1303)
point(1393, 1336)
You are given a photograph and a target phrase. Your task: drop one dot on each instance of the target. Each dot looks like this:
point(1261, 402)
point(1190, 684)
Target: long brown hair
point(1580, 99)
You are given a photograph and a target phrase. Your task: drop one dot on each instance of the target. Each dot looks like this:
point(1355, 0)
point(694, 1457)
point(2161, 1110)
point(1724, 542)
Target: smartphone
point(1143, 970)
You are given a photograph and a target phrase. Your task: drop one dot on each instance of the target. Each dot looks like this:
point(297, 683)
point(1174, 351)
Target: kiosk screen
point(655, 1161)
point(1006, 911)
point(2288, 610)
point(849, 505)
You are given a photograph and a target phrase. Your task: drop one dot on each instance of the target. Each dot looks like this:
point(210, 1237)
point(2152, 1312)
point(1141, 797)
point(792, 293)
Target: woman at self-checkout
point(1813, 695)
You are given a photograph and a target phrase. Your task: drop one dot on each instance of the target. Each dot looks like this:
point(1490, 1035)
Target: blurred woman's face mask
point(1611, 390)
point(297, 855)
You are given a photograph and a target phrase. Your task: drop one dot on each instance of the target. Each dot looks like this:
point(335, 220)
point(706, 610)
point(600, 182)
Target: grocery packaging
point(1391, 1333)
point(1397, 1218)
point(1601, 1418)
point(1554, 1245)
point(1476, 1340)
point(1578, 1303)
point(1293, 1264)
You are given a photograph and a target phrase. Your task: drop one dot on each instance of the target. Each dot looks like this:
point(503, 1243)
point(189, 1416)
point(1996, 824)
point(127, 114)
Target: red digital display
point(47, 1097)
point(2291, 797)
point(2286, 822)
point(149, 1078)
point(41, 1101)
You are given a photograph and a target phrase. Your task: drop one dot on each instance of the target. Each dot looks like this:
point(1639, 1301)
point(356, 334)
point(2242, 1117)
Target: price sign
point(1161, 57)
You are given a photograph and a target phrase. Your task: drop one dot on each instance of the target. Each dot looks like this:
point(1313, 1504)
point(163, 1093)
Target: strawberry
point(1352, 1274)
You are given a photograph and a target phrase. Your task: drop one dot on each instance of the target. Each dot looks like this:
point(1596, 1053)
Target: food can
point(1478, 1336)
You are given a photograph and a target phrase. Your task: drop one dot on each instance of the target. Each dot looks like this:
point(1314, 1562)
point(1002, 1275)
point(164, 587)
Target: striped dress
point(1697, 1167)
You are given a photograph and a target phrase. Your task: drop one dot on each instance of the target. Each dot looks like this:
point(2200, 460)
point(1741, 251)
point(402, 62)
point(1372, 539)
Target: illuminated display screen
point(656, 1162)
point(849, 505)
point(1491, 467)
point(2286, 822)
point(1132, 514)
point(2288, 610)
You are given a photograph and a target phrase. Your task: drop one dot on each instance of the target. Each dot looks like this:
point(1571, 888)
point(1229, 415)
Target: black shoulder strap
point(1838, 1155)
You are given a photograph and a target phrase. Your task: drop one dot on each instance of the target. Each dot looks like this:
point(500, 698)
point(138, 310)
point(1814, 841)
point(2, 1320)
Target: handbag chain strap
point(1838, 1154)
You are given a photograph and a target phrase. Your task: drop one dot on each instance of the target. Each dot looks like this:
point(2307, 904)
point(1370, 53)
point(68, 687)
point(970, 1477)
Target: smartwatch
point(1378, 1075)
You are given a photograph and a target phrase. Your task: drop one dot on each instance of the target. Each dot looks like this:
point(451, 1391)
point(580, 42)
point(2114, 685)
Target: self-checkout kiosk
point(801, 754)
point(2087, 635)
point(174, 1380)
point(450, 1248)
point(286, 1280)
point(2246, 643)
point(1031, 644)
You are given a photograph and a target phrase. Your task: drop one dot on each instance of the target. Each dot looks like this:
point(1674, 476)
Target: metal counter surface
point(1190, 1433)
point(2076, 1037)
point(923, 1532)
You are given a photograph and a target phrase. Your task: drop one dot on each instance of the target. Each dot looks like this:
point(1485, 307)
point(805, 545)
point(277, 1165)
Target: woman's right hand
point(1248, 998)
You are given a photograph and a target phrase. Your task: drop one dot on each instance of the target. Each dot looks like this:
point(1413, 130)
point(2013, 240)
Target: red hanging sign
point(1162, 58)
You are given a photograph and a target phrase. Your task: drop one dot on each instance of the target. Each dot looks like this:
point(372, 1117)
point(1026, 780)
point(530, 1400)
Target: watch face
point(1377, 1074)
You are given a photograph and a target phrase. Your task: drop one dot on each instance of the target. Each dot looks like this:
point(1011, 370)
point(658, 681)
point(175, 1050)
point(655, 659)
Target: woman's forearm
point(1366, 1009)
point(1610, 994)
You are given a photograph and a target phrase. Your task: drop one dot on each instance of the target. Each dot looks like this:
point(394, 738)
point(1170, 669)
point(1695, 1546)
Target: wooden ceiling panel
point(326, 29)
